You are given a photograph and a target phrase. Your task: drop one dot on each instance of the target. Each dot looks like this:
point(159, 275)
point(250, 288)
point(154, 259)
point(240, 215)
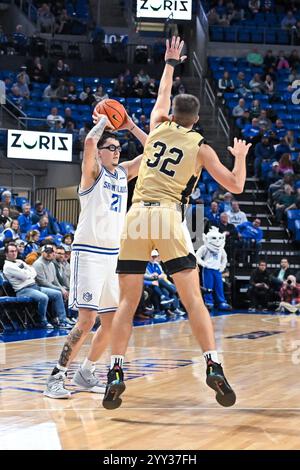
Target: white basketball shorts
point(94, 283)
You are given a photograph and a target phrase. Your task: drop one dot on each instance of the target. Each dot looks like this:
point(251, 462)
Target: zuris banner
point(31, 145)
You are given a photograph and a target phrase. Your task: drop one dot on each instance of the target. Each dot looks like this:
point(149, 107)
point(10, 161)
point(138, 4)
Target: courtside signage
point(31, 145)
point(179, 9)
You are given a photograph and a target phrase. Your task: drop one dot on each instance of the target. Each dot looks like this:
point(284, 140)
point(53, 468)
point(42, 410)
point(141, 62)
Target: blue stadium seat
point(297, 230)
point(21, 200)
point(292, 216)
point(216, 33)
point(244, 36)
point(66, 227)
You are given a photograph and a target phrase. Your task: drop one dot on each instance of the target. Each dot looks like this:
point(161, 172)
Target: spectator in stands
point(62, 91)
point(236, 216)
point(259, 291)
point(100, 95)
point(277, 189)
point(22, 277)
point(286, 164)
point(20, 40)
point(255, 58)
point(274, 174)
point(284, 201)
point(282, 62)
point(37, 72)
point(178, 87)
point(43, 227)
point(5, 219)
point(68, 117)
point(251, 131)
point(251, 236)
point(255, 109)
point(269, 85)
point(67, 240)
point(226, 204)
point(119, 49)
point(256, 85)
point(45, 19)
point(296, 165)
point(7, 202)
point(3, 41)
point(231, 233)
point(20, 244)
point(269, 59)
point(50, 91)
point(263, 151)
point(288, 21)
point(151, 89)
point(143, 77)
point(213, 214)
point(241, 86)
point(294, 75)
point(72, 94)
point(46, 277)
point(279, 129)
point(254, 6)
point(281, 274)
point(13, 231)
point(62, 268)
point(86, 96)
point(25, 219)
point(290, 296)
point(225, 84)
point(61, 71)
point(263, 121)
point(121, 87)
point(16, 97)
point(32, 239)
point(239, 109)
point(294, 59)
point(290, 140)
point(63, 23)
point(54, 117)
point(137, 89)
point(242, 121)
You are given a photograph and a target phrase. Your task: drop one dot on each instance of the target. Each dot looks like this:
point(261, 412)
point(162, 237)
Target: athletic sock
point(87, 364)
point(58, 368)
point(211, 356)
point(116, 360)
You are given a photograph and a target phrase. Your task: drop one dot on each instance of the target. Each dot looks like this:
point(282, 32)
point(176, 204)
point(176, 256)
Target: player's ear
point(196, 119)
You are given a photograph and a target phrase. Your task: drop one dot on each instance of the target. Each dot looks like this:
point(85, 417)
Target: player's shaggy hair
point(186, 109)
point(105, 136)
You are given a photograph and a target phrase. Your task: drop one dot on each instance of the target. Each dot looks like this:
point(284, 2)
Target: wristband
point(173, 62)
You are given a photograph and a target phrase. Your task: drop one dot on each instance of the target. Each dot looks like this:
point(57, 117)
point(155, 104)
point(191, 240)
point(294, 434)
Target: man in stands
point(251, 236)
point(281, 274)
point(25, 219)
point(259, 290)
point(46, 277)
point(236, 216)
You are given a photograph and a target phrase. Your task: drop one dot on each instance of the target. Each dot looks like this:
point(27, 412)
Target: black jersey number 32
point(178, 155)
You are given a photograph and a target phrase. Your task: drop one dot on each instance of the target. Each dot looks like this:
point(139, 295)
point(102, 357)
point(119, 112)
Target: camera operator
point(290, 295)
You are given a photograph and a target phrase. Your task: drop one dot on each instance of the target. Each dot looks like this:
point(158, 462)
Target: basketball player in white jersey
point(94, 287)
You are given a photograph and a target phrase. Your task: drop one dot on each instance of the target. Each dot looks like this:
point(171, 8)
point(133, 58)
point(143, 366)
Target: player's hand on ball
point(174, 49)
point(240, 148)
point(127, 124)
point(97, 116)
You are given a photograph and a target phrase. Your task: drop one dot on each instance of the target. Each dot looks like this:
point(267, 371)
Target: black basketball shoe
point(216, 380)
point(114, 388)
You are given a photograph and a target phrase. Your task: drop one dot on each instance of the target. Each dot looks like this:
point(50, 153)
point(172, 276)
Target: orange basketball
point(114, 110)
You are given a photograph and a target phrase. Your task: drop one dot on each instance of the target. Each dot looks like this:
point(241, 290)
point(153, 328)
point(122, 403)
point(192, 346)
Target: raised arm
point(161, 108)
point(234, 180)
point(91, 165)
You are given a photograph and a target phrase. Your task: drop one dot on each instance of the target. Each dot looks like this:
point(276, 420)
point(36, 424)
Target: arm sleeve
point(223, 260)
point(12, 270)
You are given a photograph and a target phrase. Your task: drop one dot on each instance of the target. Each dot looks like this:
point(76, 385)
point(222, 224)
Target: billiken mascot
point(213, 259)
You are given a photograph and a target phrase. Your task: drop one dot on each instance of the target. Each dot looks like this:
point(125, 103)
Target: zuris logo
point(158, 5)
point(296, 94)
point(54, 142)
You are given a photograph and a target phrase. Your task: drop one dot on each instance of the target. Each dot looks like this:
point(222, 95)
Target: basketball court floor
point(167, 404)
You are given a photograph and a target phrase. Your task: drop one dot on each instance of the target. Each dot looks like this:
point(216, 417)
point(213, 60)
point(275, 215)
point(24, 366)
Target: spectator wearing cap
point(165, 293)
point(274, 174)
point(239, 109)
point(263, 151)
point(22, 277)
point(251, 237)
point(46, 277)
point(6, 202)
point(25, 219)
